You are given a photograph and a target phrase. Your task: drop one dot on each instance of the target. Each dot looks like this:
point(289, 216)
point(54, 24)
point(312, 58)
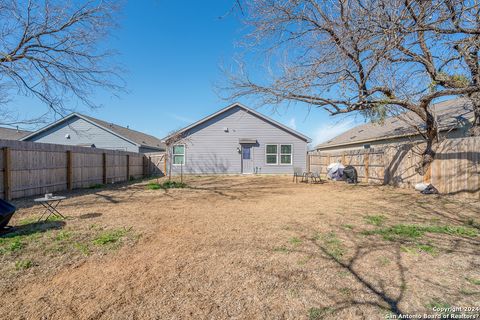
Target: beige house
point(454, 117)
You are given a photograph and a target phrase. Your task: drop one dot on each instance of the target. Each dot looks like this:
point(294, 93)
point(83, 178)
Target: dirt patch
point(244, 248)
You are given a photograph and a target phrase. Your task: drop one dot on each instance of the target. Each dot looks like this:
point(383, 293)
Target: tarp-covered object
point(350, 174)
point(335, 171)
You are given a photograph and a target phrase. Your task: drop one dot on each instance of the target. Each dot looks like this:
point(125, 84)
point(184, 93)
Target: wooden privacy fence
point(456, 168)
point(156, 163)
point(30, 168)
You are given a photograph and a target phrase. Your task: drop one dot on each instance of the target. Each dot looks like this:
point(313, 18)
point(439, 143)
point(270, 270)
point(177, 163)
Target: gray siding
point(379, 144)
point(81, 133)
point(209, 149)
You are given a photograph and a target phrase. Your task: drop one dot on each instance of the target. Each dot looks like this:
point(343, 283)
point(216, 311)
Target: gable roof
point(249, 110)
point(450, 114)
point(12, 134)
point(136, 137)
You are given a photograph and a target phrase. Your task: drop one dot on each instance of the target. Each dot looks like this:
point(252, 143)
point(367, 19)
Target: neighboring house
point(453, 116)
point(80, 130)
point(12, 134)
point(236, 140)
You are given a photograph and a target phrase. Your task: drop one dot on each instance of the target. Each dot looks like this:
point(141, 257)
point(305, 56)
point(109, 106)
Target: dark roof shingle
point(12, 134)
point(141, 138)
point(450, 113)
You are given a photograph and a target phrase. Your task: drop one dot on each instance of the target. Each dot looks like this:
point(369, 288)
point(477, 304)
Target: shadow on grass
point(33, 228)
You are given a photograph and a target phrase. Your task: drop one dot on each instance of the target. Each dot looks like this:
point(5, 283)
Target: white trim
point(269, 154)
point(290, 154)
point(184, 154)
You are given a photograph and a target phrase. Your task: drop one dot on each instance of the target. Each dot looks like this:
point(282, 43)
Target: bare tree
point(373, 57)
point(176, 137)
point(53, 50)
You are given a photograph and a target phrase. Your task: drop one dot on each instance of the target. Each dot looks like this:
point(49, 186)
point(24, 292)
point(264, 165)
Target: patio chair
point(297, 172)
point(315, 177)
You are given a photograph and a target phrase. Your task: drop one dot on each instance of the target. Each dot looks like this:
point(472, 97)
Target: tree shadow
point(33, 228)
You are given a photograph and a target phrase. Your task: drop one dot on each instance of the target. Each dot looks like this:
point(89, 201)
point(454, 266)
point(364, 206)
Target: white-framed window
point(178, 154)
point(271, 154)
point(278, 154)
point(286, 154)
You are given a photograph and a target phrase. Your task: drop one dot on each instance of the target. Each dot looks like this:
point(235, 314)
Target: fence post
point(128, 167)
point(366, 166)
point(144, 166)
point(69, 170)
point(104, 168)
point(165, 165)
point(6, 173)
point(343, 158)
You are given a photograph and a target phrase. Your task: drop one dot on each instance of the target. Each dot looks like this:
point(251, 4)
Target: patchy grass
point(375, 220)
point(384, 261)
point(317, 313)
point(403, 231)
point(153, 186)
point(110, 237)
point(166, 185)
point(473, 281)
point(282, 249)
point(334, 246)
point(23, 264)
point(295, 241)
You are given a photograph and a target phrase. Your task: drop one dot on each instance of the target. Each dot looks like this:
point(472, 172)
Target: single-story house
point(454, 118)
point(12, 134)
point(236, 140)
point(80, 130)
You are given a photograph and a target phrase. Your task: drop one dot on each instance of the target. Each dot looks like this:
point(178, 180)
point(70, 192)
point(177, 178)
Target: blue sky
point(173, 51)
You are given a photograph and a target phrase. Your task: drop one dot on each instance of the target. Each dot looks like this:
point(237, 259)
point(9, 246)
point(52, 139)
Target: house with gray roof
point(453, 116)
point(12, 134)
point(81, 130)
point(236, 140)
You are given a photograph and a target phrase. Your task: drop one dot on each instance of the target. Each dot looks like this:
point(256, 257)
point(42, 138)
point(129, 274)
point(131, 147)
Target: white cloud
point(292, 124)
point(329, 131)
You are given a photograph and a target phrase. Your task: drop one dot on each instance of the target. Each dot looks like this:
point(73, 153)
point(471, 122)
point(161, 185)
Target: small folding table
point(50, 204)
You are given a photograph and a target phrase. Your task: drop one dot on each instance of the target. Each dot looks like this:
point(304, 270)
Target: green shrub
point(173, 184)
point(166, 185)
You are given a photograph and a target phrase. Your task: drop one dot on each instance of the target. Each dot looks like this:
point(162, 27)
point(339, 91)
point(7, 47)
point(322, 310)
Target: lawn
point(255, 247)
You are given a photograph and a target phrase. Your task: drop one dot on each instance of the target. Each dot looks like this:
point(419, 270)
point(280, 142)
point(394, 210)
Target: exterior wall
point(82, 133)
point(379, 144)
point(211, 150)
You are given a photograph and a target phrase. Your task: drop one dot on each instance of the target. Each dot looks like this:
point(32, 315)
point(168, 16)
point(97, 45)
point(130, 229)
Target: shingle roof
point(249, 110)
point(136, 137)
point(12, 134)
point(141, 138)
point(450, 113)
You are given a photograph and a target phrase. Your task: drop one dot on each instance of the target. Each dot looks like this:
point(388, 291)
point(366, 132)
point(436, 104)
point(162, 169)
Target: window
point(271, 153)
point(179, 154)
point(286, 154)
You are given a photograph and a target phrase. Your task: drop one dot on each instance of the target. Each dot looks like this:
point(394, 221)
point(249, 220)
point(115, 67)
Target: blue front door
point(247, 159)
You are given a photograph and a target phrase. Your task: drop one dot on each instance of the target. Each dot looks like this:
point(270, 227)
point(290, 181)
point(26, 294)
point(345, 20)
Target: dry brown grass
point(245, 248)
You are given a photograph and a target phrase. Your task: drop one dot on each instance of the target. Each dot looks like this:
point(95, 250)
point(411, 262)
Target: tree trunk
point(475, 129)
point(431, 137)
